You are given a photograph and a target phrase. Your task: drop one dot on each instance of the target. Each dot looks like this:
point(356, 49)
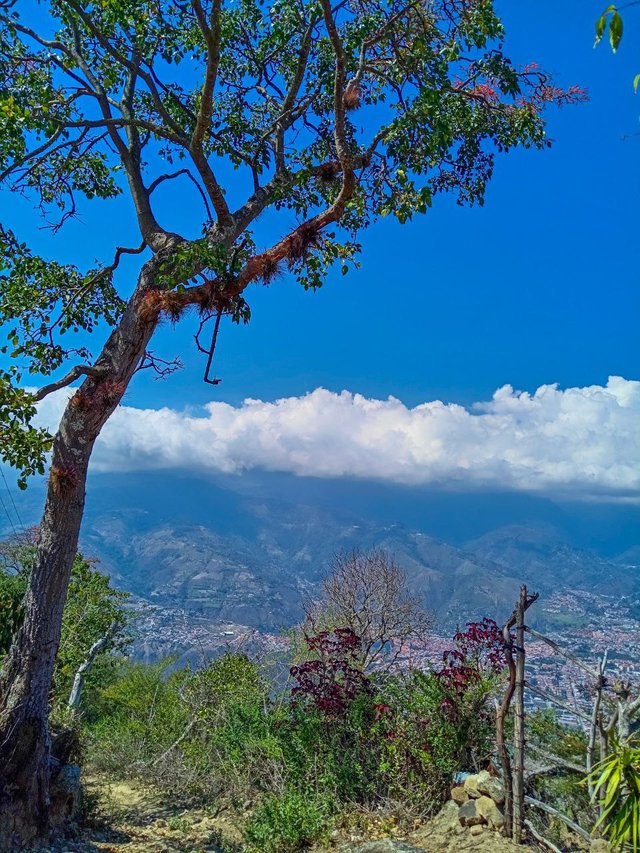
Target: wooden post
point(513, 777)
point(518, 722)
point(501, 716)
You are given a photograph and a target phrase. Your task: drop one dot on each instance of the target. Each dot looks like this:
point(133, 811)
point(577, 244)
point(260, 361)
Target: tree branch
point(75, 373)
point(550, 810)
point(579, 663)
point(78, 681)
point(541, 839)
point(558, 761)
point(554, 700)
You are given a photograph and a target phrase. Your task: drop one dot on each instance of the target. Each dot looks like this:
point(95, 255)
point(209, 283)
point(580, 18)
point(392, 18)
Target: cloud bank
point(580, 442)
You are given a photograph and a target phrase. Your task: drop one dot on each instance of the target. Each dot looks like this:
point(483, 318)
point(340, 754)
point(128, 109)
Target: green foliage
point(562, 787)
point(221, 734)
point(617, 790)
point(12, 590)
point(546, 733)
point(94, 609)
point(287, 823)
point(611, 17)
point(611, 20)
point(22, 445)
point(136, 716)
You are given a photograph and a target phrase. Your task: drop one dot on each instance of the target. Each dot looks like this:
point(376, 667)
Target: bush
point(339, 740)
point(136, 718)
point(288, 823)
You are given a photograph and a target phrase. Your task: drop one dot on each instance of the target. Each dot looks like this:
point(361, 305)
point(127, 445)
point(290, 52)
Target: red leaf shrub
point(331, 681)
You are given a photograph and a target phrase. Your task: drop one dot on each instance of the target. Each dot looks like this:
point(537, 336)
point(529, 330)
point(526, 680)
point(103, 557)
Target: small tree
point(368, 593)
point(327, 115)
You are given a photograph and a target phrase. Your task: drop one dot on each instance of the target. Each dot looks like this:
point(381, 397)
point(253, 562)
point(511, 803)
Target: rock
point(459, 795)
point(468, 815)
point(486, 807)
point(490, 787)
point(599, 845)
point(447, 819)
point(478, 829)
point(471, 787)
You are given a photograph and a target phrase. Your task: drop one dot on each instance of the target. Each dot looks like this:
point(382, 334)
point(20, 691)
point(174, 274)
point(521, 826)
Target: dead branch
point(524, 603)
point(595, 717)
point(554, 699)
point(501, 717)
point(160, 366)
point(557, 761)
point(541, 839)
point(562, 652)
point(537, 804)
point(78, 681)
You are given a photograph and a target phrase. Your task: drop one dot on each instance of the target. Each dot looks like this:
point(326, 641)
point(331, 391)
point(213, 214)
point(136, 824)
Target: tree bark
point(25, 682)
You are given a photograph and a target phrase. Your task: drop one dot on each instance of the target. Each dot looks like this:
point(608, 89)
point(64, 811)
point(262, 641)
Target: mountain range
point(246, 549)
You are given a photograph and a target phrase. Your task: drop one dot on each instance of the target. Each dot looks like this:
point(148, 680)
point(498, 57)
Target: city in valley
point(586, 625)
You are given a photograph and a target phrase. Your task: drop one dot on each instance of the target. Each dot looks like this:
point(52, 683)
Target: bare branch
point(170, 176)
point(78, 681)
point(550, 810)
point(557, 761)
point(555, 701)
point(369, 593)
point(75, 373)
point(563, 652)
point(160, 366)
point(541, 839)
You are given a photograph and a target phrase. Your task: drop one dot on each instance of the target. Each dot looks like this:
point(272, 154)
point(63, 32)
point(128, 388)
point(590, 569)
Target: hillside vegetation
point(326, 743)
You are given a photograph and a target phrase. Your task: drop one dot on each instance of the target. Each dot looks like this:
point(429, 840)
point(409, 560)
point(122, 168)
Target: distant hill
point(247, 549)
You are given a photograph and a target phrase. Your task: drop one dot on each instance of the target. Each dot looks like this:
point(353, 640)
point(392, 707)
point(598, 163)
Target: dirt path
point(129, 819)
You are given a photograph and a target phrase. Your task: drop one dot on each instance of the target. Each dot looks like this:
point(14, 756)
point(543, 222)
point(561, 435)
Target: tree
point(327, 115)
point(368, 594)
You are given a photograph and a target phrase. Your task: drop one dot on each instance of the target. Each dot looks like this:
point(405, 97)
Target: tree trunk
point(25, 682)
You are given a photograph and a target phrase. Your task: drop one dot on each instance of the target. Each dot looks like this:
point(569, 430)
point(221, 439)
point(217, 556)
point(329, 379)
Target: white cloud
point(583, 442)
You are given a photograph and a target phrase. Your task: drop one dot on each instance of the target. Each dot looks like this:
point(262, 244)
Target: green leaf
point(601, 24)
point(615, 31)
point(636, 83)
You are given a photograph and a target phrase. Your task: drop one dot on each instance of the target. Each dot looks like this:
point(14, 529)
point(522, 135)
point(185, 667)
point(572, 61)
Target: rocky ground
point(128, 819)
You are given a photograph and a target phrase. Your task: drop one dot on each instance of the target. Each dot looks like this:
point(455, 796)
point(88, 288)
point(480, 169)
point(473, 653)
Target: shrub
point(469, 676)
point(331, 680)
point(136, 717)
point(418, 743)
point(616, 780)
point(288, 823)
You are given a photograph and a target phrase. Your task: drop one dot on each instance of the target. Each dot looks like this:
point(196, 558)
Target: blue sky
point(539, 286)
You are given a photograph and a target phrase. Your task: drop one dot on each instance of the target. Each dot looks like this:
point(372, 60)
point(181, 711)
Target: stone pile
point(480, 799)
